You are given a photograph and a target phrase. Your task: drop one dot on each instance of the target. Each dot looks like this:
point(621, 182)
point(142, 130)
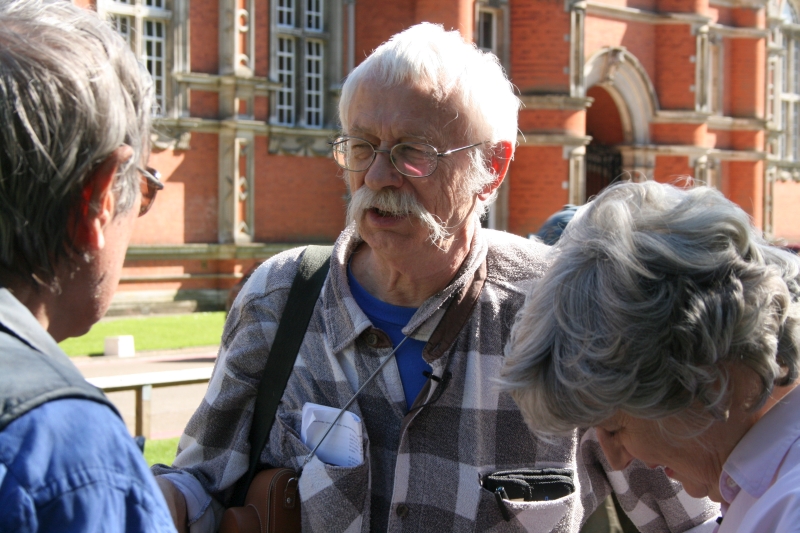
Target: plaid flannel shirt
point(422, 468)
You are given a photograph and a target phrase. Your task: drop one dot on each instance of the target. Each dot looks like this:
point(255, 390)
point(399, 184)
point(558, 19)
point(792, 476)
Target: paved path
point(171, 407)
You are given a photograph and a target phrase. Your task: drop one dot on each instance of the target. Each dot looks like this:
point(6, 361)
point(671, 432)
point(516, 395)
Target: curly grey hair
point(654, 293)
point(71, 92)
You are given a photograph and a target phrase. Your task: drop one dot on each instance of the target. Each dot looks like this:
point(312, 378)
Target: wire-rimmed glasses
point(151, 184)
point(415, 160)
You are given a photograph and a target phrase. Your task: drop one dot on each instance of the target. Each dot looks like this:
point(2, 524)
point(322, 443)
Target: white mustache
point(397, 203)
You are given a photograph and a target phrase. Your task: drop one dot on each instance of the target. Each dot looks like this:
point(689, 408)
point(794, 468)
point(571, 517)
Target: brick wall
point(186, 210)
point(377, 21)
point(297, 198)
point(686, 134)
point(638, 38)
point(672, 169)
point(204, 104)
point(747, 77)
point(536, 179)
point(204, 46)
point(552, 121)
point(539, 51)
point(745, 186)
point(675, 77)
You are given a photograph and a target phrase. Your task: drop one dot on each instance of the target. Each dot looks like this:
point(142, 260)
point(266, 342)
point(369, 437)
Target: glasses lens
point(353, 154)
point(149, 189)
point(416, 160)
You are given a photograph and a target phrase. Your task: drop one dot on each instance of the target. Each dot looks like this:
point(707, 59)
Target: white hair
point(449, 68)
point(653, 294)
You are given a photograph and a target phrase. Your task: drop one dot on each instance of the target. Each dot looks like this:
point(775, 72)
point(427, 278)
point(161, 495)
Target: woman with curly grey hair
point(671, 327)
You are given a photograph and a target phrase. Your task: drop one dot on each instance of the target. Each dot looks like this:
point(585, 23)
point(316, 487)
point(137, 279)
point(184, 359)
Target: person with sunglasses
point(429, 125)
point(75, 110)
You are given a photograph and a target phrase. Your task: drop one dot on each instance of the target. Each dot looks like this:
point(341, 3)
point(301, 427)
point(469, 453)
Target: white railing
point(143, 385)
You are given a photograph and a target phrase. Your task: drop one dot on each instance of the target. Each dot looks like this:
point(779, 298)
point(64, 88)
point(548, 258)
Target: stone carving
point(614, 59)
point(298, 144)
point(169, 139)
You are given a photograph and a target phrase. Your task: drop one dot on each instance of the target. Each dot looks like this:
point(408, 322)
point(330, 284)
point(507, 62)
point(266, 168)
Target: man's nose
point(618, 457)
point(382, 173)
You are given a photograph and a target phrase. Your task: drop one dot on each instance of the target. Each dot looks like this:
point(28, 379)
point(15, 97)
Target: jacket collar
point(20, 322)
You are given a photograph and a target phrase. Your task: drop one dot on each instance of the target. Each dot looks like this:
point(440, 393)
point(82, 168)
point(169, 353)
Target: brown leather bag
point(272, 505)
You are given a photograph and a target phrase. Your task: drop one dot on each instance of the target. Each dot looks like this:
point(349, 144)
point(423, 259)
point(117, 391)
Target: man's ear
point(97, 202)
point(501, 158)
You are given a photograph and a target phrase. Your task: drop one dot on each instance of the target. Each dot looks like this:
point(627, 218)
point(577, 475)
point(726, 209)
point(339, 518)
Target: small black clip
point(500, 495)
point(429, 375)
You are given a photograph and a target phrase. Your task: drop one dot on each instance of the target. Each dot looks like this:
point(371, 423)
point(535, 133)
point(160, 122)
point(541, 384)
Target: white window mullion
point(285, 106)
point(313, 15)
point(124, 26)
point(313, 83)
point(154, 44)
point(286, 13)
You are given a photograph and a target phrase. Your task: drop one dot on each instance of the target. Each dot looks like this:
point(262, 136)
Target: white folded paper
point(343, 445)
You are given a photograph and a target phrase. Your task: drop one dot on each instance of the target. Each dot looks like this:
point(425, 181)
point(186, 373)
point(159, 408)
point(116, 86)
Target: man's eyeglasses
point(151, 184)
point(415, 160)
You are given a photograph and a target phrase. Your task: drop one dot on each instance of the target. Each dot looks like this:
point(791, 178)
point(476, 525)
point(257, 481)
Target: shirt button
point(730, 482)
point(372, 339)
point(402, 510)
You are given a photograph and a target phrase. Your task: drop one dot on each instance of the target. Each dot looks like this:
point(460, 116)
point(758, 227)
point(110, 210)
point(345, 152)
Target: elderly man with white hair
point(429, 125)
point(74, 141)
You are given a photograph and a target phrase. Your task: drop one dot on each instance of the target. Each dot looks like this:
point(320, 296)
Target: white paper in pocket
point(343, 445)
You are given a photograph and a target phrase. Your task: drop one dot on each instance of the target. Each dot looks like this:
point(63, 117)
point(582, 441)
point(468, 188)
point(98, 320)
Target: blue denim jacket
point(67, 462)
point(70, 466)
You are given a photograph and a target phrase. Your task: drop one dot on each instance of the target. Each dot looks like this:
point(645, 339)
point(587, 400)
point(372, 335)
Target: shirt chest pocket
point(551, 507)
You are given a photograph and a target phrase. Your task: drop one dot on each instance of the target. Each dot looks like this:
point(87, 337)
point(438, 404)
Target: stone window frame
point(172, 102)
point(328, 36)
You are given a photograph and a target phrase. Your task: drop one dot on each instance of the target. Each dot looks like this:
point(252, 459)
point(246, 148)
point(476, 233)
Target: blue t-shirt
point(392, 319)
point(70, 466)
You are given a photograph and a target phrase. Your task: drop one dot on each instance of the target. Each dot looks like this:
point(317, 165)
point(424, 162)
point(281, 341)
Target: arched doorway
point(604, 125)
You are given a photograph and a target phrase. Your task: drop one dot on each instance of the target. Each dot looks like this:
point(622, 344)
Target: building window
point(144, 25)
point(285, 97)
point(153, 50)
point(286, 13)
point(313, 70)
point(298, 64)
point(314, 15)
point(487, 30)
point(788, 146)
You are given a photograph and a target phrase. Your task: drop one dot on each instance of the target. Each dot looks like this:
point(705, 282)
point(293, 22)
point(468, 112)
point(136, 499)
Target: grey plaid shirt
point(422, 468)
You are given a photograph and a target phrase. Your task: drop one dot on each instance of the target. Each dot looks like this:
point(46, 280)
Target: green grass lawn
point(164, 332)
point(160, 451)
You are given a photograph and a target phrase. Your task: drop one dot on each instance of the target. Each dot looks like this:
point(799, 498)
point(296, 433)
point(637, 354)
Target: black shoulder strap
point(296, 315)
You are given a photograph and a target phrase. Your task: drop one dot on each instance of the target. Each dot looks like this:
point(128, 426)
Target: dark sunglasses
point(151, 184)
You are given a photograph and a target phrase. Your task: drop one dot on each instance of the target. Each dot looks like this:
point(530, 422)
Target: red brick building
point(247, 92)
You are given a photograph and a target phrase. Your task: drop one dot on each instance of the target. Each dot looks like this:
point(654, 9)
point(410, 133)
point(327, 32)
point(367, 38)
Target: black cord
point(442, 381)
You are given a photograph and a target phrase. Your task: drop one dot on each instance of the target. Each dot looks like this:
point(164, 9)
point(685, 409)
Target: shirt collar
point(345, 320)
point(756, 459)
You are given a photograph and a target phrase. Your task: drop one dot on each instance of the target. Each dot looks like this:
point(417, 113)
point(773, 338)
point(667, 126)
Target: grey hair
point(441, 62)
point(71, 92)
point(654, 294)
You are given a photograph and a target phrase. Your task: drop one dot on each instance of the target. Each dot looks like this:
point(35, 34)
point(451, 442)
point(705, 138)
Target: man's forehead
point(406, 110)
